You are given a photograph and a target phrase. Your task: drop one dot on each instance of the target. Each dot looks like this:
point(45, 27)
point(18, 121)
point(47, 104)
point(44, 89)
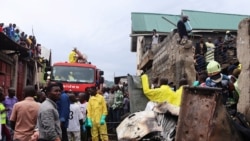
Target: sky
point(98, 28)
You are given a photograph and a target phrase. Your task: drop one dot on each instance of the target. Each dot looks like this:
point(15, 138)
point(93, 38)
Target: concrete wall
point(243, 51)
point(139, 53)
point(174, 61)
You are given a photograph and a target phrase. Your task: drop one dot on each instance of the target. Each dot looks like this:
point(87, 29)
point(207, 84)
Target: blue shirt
point(63, 105)
point(9, 30)
point(222, 84)
point(9, 103)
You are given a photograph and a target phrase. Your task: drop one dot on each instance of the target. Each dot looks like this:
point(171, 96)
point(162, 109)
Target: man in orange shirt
point(24, 115)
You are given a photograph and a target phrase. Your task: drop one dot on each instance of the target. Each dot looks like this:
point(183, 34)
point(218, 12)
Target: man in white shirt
point(155, 39)
point(75, 120)
point(106, 95)
point(85, 131)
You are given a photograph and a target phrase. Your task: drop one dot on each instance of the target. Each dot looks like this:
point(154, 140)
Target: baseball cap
point(185, 17)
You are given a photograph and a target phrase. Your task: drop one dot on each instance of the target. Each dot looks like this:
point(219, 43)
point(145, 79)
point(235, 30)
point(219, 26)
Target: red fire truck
point(76, 77)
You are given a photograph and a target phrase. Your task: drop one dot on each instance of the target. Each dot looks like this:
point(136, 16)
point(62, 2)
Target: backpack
point(188, 26)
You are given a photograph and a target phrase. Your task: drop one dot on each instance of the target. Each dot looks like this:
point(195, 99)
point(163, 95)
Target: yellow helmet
point(213, 67)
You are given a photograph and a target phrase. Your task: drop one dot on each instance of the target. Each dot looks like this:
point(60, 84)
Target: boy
point(75, 120)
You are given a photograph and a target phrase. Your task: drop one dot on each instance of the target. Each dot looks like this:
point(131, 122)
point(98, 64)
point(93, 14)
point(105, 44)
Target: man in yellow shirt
point(162, 94)
point(73, 56)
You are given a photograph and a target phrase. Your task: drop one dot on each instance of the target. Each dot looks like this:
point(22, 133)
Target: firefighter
point(73, 56)
point(96, 116)
point(162, 94)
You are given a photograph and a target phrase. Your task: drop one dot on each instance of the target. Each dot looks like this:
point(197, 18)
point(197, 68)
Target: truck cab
point(76, 77)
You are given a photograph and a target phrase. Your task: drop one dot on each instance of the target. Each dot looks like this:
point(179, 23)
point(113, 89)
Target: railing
point(225, 54)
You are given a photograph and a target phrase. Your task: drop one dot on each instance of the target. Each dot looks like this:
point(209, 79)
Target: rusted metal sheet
point(203, 117)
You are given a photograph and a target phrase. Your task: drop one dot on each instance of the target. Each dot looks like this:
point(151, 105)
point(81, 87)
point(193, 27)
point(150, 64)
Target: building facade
point(17, 68)
point(143, 23)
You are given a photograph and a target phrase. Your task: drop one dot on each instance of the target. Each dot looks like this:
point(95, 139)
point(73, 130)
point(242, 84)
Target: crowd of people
point(205, 51)
point(53, 114)
point(117, 99)
point(213, 76)
point(21, 38)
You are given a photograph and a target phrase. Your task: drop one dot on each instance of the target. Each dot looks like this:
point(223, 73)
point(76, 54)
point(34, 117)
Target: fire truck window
point(74, 74)
point(59, 74)
point(86, 75)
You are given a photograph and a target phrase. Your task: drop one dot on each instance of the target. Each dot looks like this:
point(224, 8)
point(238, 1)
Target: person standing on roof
point(8, 30)
point(1, 27)
point(182, 30)
point(73, 56)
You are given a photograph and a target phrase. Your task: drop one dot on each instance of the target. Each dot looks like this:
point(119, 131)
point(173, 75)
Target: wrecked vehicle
point(202, 116)
point(159, 124)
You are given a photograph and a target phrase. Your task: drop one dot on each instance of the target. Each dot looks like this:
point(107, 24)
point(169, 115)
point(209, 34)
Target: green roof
point(213, 21)
point(146, 22)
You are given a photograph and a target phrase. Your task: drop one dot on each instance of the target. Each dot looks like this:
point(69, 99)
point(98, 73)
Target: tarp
point(138, 100)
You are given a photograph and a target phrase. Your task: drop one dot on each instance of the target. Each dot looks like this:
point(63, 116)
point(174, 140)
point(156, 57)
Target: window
point(73, 74)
